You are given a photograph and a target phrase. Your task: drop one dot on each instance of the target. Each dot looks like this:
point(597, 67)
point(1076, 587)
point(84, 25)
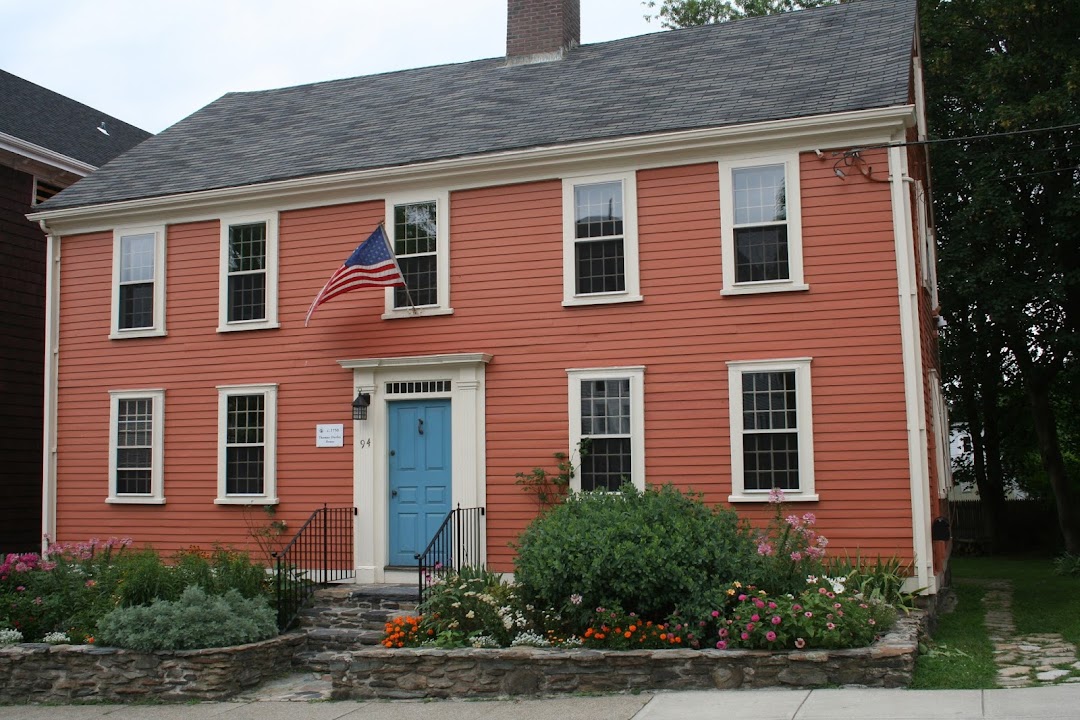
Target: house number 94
point(365, 443)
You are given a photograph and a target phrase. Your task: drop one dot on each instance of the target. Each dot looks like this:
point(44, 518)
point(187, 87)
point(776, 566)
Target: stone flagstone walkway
point(1024, 660)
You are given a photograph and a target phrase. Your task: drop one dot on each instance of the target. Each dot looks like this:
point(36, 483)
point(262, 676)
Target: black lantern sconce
point(360, 405)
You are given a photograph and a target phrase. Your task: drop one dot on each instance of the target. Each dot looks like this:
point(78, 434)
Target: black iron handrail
point(320, 552)
point(457, 543)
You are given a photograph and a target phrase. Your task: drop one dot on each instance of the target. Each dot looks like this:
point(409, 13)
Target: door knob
point(392, 453)
point(393, 493)
point(420, 426)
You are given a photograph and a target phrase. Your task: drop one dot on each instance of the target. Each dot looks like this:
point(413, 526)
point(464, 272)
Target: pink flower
point(830, 626)
point(742, 598)
point(764, 548)
point(772, 605)
point(722, 645)
point(723, 632)
point(575, 599)
point(800, 643)
point(808, 614)
point(38, 600)
point(21, 588)
point(871, 621)
point(770, 636)
point(745, 636)
point(775, 620)
point(776, 496)
point(759, 603)
point(716, 613)
point(755, 617)
point(796, 556)
point(809, 518)
point(792, 520)
point(91, 583)
point(796, 607)
point(750, 627)
point(830, 595)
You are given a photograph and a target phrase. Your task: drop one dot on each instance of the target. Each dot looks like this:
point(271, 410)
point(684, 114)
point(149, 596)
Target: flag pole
point(404, 282)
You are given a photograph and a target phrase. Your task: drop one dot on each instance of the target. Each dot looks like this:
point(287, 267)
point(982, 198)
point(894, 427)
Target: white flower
point(56, 638)
point(508, 622)
point(811, 579)
point(10, 637)
point(470, 614)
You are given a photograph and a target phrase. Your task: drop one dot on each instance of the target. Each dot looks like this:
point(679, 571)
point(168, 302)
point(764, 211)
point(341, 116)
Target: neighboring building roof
point(47, 119)
point(852, 56)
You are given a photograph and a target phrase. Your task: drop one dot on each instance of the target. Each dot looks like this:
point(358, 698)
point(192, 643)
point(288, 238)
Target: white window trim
point(804, 418)
point(269, 494)
point(632, 293)
point(795, 281)
point(636, 375)
point(158, 329)
point(271, 319)
point(942, 442)
point(156, 496)
point(442, 252)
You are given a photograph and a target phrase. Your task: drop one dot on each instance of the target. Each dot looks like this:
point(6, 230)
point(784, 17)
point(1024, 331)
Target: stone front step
point(345, 617)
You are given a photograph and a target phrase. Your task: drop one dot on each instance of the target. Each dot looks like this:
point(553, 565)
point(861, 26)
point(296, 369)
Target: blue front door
point(419, 475)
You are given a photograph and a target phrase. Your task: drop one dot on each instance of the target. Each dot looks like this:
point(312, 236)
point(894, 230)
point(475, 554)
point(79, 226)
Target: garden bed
point(468, 672)
point(40, 673)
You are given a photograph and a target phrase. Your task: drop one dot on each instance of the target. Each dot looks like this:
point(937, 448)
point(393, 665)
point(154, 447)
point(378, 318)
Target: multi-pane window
point(245, 444)
point(760, 223)
point(771, 427)
point(599, 254)
point(247, 272)
point(136, 286)
point(135, 452)
point(761, 237)
point(606, 424)
point(247, 296)
point(416, 244)
point(600, 251)
point(246, 455)
point(770, 431)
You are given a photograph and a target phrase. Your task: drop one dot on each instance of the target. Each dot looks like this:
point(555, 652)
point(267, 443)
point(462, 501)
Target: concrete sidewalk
point(1059, 702)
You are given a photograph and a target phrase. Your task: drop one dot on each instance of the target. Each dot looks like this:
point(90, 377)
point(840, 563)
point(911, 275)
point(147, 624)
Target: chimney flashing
point(541, 30)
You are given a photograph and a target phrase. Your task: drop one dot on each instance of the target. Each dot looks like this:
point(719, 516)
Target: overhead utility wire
point(935, 141)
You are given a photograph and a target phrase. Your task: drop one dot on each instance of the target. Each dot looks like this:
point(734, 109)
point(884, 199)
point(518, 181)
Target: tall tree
point(675, 14)
point(1007, 208)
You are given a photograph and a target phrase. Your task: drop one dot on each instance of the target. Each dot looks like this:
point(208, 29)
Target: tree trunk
point(1038, 392)
point(994, 492)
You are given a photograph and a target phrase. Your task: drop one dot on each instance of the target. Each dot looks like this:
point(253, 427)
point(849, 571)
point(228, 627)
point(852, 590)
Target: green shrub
point(1067, 564)
point(881, 581)
point(655, 551)
point(470, 603)
point(196, 620)
point(147, 577)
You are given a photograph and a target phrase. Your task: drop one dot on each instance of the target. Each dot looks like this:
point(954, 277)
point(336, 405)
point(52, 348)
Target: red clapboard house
point(706, 251)
point(47, 142)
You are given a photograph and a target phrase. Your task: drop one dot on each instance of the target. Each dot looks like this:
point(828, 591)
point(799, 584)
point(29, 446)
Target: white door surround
point(465, 373)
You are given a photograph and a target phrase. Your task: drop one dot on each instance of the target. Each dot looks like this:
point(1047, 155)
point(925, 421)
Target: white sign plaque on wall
point(330, 435)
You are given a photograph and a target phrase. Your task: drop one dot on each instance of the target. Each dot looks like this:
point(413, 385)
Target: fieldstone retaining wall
point(35, 672)
point(433, 672)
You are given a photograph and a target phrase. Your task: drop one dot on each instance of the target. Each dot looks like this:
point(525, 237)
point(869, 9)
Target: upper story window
point(247, 442)
point(600, 248)
point(761, 225)
point(138, 297)
point(607, 413)
point(248, 296)
point(418, 226)
point(136, 452)
point(772, 443)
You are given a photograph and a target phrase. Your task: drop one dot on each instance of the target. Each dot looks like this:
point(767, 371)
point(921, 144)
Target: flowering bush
point(789, 550)
point(403, 632)
point(10, 637)
point(56, 638)
point(615, 629)
point(818, 617)
point(473, 602)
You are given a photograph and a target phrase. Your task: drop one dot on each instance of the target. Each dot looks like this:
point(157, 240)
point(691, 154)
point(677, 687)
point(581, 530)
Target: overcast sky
point(154, 62)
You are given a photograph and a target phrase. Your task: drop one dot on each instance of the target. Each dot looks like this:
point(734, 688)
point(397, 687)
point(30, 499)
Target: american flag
point(372, 264)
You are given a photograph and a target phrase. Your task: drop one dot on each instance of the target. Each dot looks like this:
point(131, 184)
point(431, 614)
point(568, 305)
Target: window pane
point(771, 460)
point(134, 445)
point(759, 194)
point(247, 247)
point(247, 297)
point(422, 277)
point(606, 466)
point(244, 470)
point(761, 254)
point(136, 306)
point(605, 407)
point(133, 482)
point(137, 258)
point(245, 419)
point(415, 228)
point(598, 210)
point(600, 266)
point(769, 400)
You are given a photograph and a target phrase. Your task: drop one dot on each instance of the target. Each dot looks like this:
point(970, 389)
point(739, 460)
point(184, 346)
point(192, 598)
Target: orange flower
point(589, 632)
point(663, 636)
point(627, 635)
point(633, 628)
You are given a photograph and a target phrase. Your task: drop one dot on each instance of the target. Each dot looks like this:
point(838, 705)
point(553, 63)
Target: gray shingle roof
point(846, 57)
point(50, 120)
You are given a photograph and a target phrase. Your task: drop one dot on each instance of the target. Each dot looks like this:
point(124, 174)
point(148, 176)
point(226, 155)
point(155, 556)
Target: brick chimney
point(541, 30)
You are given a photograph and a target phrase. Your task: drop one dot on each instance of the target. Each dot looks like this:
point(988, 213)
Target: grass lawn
point(960, 655)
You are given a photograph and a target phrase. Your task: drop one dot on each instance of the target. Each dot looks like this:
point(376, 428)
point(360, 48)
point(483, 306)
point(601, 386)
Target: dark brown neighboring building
point(47, 142)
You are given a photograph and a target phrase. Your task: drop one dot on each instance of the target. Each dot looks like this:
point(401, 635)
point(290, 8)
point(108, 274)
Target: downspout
point(914, 386)
point(52, 360)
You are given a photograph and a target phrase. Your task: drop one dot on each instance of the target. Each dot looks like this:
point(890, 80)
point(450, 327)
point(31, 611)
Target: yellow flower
point(731, 591)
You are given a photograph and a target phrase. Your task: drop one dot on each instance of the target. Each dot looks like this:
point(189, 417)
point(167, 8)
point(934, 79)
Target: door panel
point(420, 475)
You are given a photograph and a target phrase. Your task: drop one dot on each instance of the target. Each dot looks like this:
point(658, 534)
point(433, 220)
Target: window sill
point(140, 333)
point(131, 500)
point(246, 500)
point(789, 497)
point(418, 312)
point(765, 287)
point(252, 325)
point(580, 300)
